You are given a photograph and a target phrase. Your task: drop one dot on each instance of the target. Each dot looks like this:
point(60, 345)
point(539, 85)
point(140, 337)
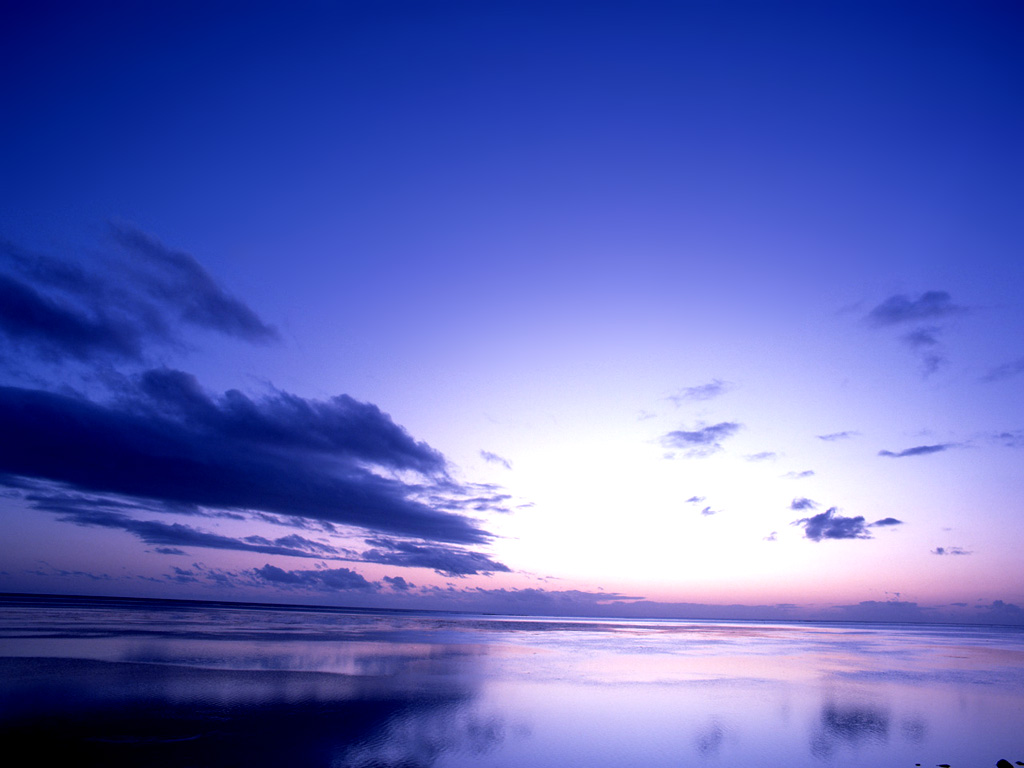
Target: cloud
point(707, 391)
point(703, 440)
point(917, 450)
point(831, 525)
point(834, 436)
point(950, 551)
point(58, 329)
point(886, 521)
point(899, 308)
point(177, 281)
point(998, 611)
point(799, 475)
point(326, 580)
point(493, 458)
point(708, 511)
point(174, 535)
point(773, 536)
point(695, 500)
point(762, 456)
point(1005, 371)
point(398, 584)
point(124, 304)
point(168, 441)
point(801, 503)
point(1011, 439)
point(445, 560)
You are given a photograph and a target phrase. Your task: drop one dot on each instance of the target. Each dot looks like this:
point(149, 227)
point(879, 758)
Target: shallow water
point(118, 683)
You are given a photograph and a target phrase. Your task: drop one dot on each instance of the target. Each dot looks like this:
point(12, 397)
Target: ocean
point(119, 682)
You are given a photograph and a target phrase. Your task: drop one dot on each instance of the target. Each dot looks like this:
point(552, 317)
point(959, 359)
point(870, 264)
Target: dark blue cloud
point(58, 329)
point(917, 450)
point(800, 504)
point(118, 309)
point(325, 580)
point(284, 455)
point(702, 440)
point(445, 560)
point(174, 535)
point(900, 308)
point(398, 584)
point(175, 280)
point(831, 525)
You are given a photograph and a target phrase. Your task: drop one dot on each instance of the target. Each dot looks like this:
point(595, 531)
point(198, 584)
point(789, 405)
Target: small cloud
point(703, 440)
point(326, 580)
point(708, 511)
point(801, 504)
point(1005, 371)
point(886, 521)
point(398, 584)
point(493, 458)
point(695, 500)
point(773, 536)
point(900, 309)
point(707, 391)
point(762, 456)
point(917, 450)
point(799, 475)
point(1011, 439)
point(169, 551)
point(950, 551)
point(831, 525)
point(834, 436)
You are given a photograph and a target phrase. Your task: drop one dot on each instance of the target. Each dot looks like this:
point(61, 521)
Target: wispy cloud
point(918, 450)
point(831, 525)
point(702, 440)
point(950, 551)
point(445, 560)
point(762, 456)
point(795, 475)
point(131, 301)
point(900, 308)
point(835, 436)
point(707, 391)
point(493, 458)
point(1005, 371)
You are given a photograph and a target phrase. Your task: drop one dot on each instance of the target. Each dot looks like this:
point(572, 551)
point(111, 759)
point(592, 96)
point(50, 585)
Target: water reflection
point(65, 711)
point(115, 685)
point(849, 725)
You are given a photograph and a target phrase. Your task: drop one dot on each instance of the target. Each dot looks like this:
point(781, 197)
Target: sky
point(689, 309)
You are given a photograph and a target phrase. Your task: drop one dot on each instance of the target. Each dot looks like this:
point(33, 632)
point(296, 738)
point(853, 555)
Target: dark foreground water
point(145, 683)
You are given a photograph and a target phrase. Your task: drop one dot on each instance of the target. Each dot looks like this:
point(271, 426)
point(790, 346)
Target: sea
point(134, 682)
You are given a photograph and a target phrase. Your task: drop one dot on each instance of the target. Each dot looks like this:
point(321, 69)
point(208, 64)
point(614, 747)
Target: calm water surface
point(117, 683)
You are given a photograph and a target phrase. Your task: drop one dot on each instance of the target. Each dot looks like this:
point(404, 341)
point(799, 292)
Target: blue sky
point(668, 308)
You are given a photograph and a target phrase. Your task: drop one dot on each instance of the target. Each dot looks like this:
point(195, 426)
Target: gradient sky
point(685, 309)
